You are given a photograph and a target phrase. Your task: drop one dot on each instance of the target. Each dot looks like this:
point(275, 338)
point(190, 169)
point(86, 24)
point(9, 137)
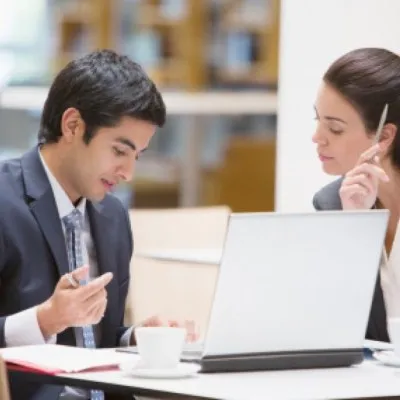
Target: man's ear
point(388, 135)
point(72, 125)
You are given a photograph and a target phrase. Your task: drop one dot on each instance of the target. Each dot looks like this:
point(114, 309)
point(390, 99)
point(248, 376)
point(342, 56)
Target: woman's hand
point(359, 188)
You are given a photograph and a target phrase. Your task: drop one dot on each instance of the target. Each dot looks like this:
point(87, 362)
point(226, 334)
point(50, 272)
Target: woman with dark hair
point(349, 105)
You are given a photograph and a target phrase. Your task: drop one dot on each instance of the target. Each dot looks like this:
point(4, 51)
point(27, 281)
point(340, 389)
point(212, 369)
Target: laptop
point(294, 290)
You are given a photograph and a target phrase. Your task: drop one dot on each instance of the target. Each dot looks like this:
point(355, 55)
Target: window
point(25, 34)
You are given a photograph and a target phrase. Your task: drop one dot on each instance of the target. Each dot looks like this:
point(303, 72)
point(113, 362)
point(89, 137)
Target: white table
point(368, 380)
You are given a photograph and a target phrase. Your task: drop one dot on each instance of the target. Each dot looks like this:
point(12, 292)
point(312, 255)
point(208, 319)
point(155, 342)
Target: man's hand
point(192, 334)
point(71, 306)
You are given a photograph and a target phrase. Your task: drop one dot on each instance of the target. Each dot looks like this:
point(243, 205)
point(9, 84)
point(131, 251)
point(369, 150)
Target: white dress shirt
point(23, 328)
point(390, 277)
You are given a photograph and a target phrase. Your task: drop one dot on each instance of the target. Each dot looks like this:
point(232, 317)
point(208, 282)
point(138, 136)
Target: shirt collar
point(64, 204)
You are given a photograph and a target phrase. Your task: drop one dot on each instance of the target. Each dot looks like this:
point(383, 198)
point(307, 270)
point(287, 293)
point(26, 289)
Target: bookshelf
point(249, 31)
point(197, 48)
point(183, 44)
point(83, 25)
point(175, 30)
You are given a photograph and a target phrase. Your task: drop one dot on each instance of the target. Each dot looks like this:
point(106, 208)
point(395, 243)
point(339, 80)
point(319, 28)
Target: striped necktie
point(74, 225)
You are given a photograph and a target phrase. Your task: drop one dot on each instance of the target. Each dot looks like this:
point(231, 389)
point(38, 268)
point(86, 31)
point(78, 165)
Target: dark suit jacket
point(328, 198)
point(33, 255)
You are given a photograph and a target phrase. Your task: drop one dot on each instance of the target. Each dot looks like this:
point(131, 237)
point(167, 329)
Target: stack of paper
point(56, 359)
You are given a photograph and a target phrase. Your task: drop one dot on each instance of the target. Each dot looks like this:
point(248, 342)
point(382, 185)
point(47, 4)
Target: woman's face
point(340, 134)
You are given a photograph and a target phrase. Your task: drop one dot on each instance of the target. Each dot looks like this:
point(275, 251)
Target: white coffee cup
point(160, 347)
point(394, 334)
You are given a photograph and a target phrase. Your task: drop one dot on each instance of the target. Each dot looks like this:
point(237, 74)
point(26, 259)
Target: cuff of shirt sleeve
point(126, 337)
point(22, 329)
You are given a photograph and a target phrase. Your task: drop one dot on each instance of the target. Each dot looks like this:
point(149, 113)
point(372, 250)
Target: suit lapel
point(43, 207)
point(46, 214)
point(103, 239)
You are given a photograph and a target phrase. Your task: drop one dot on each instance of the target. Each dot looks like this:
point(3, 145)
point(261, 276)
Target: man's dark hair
point(104, 87)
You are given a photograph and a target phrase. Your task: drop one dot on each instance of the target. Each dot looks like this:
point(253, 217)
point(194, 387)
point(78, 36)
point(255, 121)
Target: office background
point(228, 69)
point(189, 47)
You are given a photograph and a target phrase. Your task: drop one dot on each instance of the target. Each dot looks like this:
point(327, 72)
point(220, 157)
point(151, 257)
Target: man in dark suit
point(328, 198)
point(65, 241)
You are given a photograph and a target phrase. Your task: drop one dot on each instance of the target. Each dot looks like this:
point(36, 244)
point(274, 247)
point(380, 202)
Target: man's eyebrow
point(127, 142)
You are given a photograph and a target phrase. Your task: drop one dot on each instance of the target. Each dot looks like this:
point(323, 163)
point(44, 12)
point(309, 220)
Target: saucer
point(183, 370)
point(387, 358)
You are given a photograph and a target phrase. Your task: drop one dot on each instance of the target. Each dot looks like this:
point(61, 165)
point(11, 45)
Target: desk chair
point(176, 290)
